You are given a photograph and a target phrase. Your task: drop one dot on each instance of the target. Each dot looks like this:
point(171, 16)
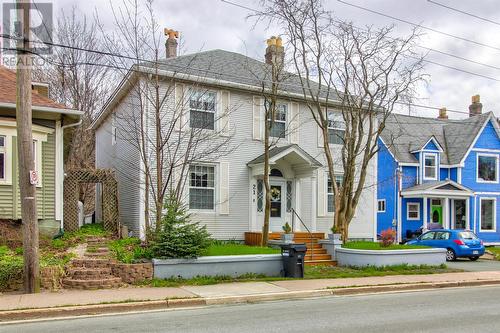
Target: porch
point(442, 204)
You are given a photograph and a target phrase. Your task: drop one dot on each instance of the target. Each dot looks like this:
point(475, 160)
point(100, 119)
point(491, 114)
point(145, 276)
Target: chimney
point(476, 107)
point(171, 43)
point(275, 52)
point(443, 114)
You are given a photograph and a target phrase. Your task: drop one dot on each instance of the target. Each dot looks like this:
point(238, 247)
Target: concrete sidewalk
point(239, 290)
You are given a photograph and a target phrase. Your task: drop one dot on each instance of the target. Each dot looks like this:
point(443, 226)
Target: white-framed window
point(113, 129)
point(278, 124)
point(336, 128)
point(413, 211)
point(487, 214)
point(202, 187)
point(430, 166)
point(202, 106)
point(329, 192)
point(487, 168)
point(3, 157)
point(381, 206)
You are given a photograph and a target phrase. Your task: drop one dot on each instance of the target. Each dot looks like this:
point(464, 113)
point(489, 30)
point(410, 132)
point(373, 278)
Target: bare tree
point(78, 80)
point(361, 72)
point(155, 117)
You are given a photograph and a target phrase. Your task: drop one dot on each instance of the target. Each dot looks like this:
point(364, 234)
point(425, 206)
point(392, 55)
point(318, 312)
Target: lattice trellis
point(72, 183)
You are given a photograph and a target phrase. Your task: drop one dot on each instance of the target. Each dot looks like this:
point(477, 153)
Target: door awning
point(445, 188)
point(294, 157)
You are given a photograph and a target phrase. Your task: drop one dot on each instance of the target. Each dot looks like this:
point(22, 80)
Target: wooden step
point(317, 257)
point(316, 251)
point(320, 262)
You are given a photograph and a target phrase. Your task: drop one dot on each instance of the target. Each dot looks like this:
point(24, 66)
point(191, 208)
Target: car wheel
point(473, 258)
point(450, 255)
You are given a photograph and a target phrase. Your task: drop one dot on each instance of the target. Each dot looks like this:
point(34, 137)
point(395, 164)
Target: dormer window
point(430, 166)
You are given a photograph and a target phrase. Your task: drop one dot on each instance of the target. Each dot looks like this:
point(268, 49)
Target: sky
point(213, 24)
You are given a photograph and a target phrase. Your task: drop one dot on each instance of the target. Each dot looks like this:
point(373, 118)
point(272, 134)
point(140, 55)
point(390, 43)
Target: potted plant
point(335, 235)
point(287, 237)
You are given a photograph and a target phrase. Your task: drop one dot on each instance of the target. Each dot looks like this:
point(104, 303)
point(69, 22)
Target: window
point(488, 212)
point(201, 187)
point(330, 194)
point(428, 236)
point(336, 128)
point(381, 206)
point(413, 211)
point(202, 109)
point(442, 235)
point(487, 168)
point(2, 157)
point(430, 166)
point(278, 124)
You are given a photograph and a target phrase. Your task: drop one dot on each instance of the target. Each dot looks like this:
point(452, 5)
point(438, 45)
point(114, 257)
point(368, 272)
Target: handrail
point(294, 213)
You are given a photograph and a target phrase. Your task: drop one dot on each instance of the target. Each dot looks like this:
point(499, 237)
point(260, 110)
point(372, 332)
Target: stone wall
point(50, 277)
point(133, 273)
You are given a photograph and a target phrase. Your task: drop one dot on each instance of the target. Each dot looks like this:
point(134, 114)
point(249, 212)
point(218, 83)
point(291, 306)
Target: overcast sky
point(212, 24)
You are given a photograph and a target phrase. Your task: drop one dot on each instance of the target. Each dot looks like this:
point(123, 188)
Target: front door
point(277, 215)
point(436, 211)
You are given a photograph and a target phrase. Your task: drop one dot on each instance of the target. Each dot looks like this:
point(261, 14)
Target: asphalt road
point(450, 310)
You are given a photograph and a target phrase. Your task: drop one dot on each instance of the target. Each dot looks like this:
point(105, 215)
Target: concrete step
point(96, 254)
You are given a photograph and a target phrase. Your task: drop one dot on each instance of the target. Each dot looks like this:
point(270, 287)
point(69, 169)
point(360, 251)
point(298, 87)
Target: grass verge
point(495, 251)
point(230, 249)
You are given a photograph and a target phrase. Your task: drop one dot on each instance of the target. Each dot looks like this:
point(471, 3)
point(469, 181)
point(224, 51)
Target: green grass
point(495, 251)
point(312, 272)
point(377, 246)
point(229, 249)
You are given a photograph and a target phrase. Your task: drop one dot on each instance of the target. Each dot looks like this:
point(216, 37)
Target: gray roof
point(440, 185)
point(277, 150)
point(403, 134)
point(232, 67)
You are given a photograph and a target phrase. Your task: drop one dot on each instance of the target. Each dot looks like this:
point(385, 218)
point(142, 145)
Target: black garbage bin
point(293, 259)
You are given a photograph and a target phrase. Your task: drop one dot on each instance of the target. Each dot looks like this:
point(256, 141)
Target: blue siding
point(444, 173)
point(409, 176)
point(431, 146)
point(454, 174)
point(410, 224)
point(488, 138)
point(386, 187)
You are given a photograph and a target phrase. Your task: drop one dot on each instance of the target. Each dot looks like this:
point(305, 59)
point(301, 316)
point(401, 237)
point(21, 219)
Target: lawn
point(232, 249)
point(377, 246)
point(495, 251)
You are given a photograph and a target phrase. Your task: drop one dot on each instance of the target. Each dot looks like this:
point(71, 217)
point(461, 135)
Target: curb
point(99, 309)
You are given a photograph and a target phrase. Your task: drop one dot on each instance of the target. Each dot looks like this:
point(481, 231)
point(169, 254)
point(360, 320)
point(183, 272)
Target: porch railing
point(294, 214)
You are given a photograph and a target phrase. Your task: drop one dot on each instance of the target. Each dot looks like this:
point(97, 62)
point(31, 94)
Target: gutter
point(50, 109)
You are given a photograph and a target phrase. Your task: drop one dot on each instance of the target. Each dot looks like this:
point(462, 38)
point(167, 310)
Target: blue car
point(458, 243)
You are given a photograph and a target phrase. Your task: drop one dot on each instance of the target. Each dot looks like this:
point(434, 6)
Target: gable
point(431, 145)
point(488, 139)
point(450, 187)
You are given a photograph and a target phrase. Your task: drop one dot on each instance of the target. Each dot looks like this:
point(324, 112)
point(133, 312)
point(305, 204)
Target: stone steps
point(101, 283)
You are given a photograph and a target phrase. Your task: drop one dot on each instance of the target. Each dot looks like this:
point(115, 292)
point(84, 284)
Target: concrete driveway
point(480, 265)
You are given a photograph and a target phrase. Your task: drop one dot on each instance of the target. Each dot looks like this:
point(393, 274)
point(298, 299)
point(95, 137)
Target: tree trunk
point(26, 162)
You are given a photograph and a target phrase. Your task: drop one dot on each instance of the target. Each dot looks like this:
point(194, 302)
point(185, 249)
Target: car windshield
point(467, 235)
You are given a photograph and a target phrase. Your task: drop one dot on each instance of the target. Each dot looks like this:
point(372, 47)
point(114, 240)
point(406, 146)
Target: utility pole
point(27, 174)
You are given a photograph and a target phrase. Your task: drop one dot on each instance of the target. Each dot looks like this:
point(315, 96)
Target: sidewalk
point(237, 292)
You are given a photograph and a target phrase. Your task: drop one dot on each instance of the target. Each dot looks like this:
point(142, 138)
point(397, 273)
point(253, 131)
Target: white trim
point(314, 206)
point(386, 147)
point(69, 112)
point(408, 204)
point(436, 169)
point(424, 199)
point(494, 214)
point(459, 175)
point(432, 138)
point(488, 193)
point(381, 201)
point(480, 180)
point(485, 150)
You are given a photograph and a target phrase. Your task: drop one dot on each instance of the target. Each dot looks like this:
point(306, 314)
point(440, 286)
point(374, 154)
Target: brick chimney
point(443, 114)
point(476, 107)
point(275, 52)
point(171, 43)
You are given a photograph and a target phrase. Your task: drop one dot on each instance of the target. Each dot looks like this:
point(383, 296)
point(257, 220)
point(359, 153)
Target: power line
point(421, 26)
point(420, 46)
point(464, 12)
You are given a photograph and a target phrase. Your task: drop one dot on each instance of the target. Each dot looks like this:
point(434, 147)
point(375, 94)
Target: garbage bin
point(293, 259)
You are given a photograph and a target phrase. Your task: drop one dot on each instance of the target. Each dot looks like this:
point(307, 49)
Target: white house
point(227, 194)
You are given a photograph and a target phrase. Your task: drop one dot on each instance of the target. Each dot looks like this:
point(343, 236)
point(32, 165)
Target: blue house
point(440, 171)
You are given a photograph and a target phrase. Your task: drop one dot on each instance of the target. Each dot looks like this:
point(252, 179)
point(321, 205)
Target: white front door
point(278, 198)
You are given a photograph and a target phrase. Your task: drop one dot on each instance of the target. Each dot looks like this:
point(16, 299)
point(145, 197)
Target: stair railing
point(294, 213)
